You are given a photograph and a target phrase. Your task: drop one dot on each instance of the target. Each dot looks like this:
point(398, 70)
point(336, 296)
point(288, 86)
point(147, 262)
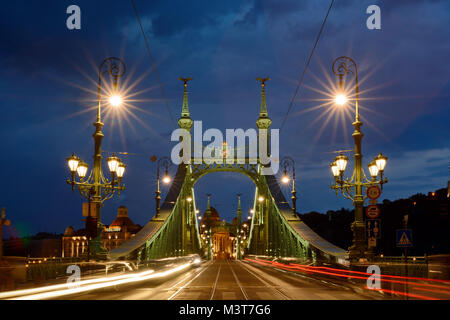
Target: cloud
point(426, 168)
point(272, 10)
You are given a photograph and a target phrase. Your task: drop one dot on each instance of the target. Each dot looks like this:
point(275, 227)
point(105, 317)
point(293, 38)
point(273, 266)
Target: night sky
point(48, 82)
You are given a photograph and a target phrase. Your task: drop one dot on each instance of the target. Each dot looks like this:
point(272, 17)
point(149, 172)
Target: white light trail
point(88, 285)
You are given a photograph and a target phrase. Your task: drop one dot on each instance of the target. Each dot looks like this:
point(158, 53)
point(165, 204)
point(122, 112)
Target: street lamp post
point(238, 228)
point(210, 255)
point(353, 188)
point(96, 188)
point(165, 162)
point(286, 163)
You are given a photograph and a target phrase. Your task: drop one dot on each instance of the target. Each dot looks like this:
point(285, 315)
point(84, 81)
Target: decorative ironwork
point(166, 163)
point(352, 188)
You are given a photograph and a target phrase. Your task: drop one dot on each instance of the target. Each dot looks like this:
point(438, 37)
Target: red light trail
point(348, 274)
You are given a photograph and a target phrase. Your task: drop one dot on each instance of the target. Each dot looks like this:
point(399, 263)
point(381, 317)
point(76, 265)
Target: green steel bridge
point(275, 231)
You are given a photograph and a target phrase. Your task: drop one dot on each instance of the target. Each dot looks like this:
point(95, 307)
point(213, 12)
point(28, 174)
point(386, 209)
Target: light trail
point(190, 281)
point(435, 291)
point(24, 292)
point(132, 278)
point(403, 293)
point(370, 274)
point(311, 269)
point(308, 269)
point(358, 272)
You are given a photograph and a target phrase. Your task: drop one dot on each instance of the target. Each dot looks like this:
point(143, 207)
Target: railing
point(401, 259)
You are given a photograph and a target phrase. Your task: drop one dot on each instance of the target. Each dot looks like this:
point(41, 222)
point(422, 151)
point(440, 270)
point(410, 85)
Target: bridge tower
point(209, 254)
point(185, 122)
point(263, 124)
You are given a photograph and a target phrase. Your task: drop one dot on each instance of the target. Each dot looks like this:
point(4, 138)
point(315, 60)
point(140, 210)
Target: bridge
point(282, 258)
point(275, 231)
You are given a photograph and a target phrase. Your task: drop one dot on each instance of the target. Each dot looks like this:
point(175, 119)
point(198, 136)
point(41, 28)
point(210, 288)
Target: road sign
point(92, 211)
point(372, 242)
point(373, 192)
point(373, 228)
point(372, 211)
point(404, 238)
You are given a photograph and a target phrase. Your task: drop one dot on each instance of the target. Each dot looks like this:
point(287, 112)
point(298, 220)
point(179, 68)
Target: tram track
point(213, 291)
point(188, 283)
point(237, 281)
point(268, 285)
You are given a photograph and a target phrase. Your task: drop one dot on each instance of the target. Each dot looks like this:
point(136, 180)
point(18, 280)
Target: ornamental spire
point(239, 210)
point(263, 121)
point(263, 111)
point(185, 108)
point(208, 207)
point(185, 121)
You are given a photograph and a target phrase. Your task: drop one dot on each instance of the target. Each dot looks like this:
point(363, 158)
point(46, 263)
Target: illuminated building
point(75, 243)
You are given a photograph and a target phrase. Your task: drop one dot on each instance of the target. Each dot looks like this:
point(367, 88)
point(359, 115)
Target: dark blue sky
point(47, 70)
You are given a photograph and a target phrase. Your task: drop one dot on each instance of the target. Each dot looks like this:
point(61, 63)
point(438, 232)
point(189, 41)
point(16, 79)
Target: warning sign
point(404, 238)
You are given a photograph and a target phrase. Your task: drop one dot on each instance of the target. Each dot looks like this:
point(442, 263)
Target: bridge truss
point(274, 230)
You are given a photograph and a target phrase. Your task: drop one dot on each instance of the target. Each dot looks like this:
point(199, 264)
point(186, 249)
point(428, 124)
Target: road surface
point(228, 280)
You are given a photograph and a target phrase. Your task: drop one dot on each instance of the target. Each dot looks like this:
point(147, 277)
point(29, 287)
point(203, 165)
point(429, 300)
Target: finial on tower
point(263, 80)
point(185, 80)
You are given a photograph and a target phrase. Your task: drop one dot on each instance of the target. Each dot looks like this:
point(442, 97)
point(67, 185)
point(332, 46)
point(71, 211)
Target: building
point(75, 243)
point(223, 240)
point(120, 230)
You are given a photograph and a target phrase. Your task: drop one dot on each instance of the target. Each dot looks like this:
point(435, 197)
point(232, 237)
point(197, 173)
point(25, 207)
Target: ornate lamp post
point(165, 162)
point(96, 188)
point(286, 163)
point(353, 188)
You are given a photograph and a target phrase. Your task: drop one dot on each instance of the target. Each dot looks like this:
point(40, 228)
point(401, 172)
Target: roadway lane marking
point(237, 281)
point(215, 283)
point(176, 284)
point(178, 291)
point(247, 268)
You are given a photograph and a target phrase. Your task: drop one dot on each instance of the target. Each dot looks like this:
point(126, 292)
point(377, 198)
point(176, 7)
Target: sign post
point(404, 240)
point(373, 231)
point(372, 213)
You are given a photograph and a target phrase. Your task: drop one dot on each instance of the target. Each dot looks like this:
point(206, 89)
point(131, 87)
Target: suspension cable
point(153, 62)
point(307, 64)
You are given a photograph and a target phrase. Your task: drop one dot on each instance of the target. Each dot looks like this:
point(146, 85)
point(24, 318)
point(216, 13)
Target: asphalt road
point(228, 280)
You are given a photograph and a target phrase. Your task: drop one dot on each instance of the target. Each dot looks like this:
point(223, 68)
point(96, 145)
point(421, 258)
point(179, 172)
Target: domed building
point(120, 230)
point(69, 232)
point(75, 243)
point(223, 234)
point(214, 218)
